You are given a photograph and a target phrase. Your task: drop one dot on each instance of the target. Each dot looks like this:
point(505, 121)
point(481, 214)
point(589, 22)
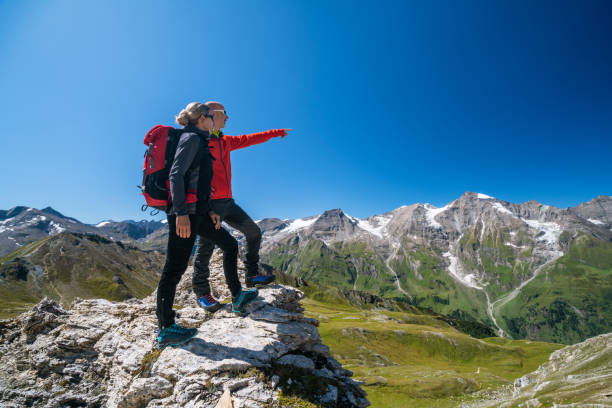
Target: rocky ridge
point(579, 375)
point(100, 353)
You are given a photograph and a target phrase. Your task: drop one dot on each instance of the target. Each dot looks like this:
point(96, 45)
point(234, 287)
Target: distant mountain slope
point(467, 259)
point(135, 230)
point(22, 225)
point(70, 265)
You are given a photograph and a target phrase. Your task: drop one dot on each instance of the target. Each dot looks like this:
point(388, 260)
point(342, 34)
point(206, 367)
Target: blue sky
point(391, 102)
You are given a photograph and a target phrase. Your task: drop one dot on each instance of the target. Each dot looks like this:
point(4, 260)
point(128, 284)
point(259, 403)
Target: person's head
point(196, 114)
point(219, 113)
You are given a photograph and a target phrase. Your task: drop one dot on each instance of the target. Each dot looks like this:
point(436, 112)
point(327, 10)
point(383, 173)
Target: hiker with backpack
point(223, 204)
point(189, 214)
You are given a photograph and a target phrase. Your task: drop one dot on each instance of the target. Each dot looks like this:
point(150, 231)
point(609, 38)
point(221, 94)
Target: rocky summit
point(99, 353)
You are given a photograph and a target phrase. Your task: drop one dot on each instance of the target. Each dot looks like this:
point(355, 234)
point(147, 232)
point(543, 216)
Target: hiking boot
point(175, 335)
point(259, 280)
point(209, 303)
point(243, 298)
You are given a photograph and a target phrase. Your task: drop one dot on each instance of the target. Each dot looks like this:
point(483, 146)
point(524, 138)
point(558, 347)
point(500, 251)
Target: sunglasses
point(221, 110)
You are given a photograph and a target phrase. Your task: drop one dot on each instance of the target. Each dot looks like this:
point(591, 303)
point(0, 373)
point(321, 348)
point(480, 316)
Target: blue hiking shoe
point(209, 303)
point(241, 301)
point(174, 336)
point(259, 280)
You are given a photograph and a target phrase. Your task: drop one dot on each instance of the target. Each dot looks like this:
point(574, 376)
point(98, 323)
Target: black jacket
point(191, 173)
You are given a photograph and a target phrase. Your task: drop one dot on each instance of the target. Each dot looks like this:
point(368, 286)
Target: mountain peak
point(13, 212)
point(334, 212)
point(51, 211)
point(480, 196)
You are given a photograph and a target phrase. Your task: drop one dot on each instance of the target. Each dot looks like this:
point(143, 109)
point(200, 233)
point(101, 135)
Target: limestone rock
point(103, 354)
point(297, 361)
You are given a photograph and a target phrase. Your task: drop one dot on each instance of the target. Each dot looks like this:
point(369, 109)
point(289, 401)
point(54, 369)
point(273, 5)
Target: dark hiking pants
point(235, 217)
point(177, 258)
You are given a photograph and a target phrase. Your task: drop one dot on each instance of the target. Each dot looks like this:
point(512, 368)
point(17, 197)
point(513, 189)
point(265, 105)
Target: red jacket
point(220, 148)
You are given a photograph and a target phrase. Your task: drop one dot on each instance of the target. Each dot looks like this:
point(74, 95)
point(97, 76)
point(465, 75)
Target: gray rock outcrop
point(579, 375)
point(103, 354)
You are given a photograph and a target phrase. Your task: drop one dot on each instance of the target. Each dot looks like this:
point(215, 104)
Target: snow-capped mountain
point(472, 257)
point(135, 230)
point(22, 225)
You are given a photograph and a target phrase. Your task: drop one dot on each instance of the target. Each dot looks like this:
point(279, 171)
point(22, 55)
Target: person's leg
point(238, 219)
point(201, 271)
point(229, 246)
point(177, 258)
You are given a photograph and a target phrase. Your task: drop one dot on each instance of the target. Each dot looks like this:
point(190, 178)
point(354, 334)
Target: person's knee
point(253, 233)
point(231, 247)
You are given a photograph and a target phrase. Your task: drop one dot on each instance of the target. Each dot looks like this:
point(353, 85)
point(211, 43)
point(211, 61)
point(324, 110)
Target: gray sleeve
point(185, 153)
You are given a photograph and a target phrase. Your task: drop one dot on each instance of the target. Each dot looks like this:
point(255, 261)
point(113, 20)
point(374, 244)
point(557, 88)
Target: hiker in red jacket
point(223, 204)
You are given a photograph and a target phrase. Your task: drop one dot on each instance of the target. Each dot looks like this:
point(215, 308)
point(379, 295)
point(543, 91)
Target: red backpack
point(162, 142)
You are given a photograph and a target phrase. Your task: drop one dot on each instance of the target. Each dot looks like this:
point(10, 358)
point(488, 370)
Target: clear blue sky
point(391, 102)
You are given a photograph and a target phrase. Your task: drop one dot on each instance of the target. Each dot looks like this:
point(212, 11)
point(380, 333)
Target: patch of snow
point(467, 280)
point(482, 230)
point(72, 221)
point(29, 209)
point(36, 219)
point(375, 226)
point(502, 209)
point(55, 228)
point(431, 213)
point(299, 224)
point(514, 246)
point(596, 222)
point(7, 220)
point(103, 223)
point(551, 230)
point(484, 197)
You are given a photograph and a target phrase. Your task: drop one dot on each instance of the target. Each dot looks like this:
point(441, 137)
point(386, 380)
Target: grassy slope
point(417, 360)
point(576, 307)
point(566, 304)
point(77, 265)
point(17, 297)
point(352, 265)
point(424, 277)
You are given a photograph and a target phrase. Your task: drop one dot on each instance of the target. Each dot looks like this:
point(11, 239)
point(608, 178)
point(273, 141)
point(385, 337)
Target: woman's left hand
point(215, 218)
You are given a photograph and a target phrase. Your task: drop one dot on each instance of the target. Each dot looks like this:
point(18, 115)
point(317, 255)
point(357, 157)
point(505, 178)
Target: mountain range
point(22, 225)
point(526, 270)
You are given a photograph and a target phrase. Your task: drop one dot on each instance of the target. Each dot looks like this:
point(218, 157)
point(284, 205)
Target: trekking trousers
point(235, 217)
point(177, 258)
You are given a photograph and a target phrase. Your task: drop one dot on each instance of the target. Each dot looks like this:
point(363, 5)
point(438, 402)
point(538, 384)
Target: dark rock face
point(271, 224)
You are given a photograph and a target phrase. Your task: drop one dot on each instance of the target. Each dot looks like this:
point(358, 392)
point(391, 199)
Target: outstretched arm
point(239, 142)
